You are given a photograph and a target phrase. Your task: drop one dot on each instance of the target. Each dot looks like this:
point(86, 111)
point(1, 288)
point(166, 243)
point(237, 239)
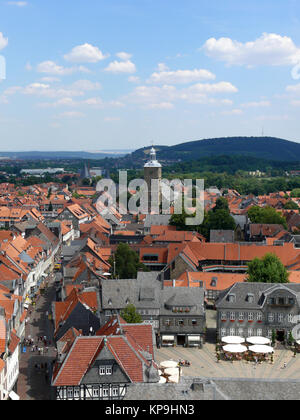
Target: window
point(250, 332)
point(102, 370)
point(280, 317)
point(194, 322)
point(281, 301)
point(223, 316)
point(95, 392)
point(70, 392)
point(259, 316)
point(241, 316)
point(271, 317)
point(167, 322)
point(232, 316)
point(241, 332)
point(271, 301)
point(105, 392)
point(115, 392)
point(232, 331)
point(108, 370)
point(259, 332)
point(250, 316)
point(290, 318)
point(76, 392)
point(180, 322)
point(223, 332)
point(291, 301)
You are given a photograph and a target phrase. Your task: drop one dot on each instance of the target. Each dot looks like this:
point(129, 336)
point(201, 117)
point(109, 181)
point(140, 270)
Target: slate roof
point(258, 290)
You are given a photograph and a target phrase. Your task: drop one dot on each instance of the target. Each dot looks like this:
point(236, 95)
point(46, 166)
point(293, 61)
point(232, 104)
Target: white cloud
point(295, 89)
point(3, 41)
point(17, 3)
point(232, 112)
point(70, 114)
point(45, 90)
point(161, 105)
point(213, 88)
point(258, 104)
point(49, 79)
point(198, 93)
point(86, 85)
point(50, 67)
point(181, 76)
point(162, 67)
point(134, 79)
point(268, 50)
point(283, 117)
point(124, 56)
point(85, 53)
point(121, 67)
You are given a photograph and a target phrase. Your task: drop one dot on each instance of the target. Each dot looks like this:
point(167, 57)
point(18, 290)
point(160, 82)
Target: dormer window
point(105, 370)
point(250, 298)
point(231, 297)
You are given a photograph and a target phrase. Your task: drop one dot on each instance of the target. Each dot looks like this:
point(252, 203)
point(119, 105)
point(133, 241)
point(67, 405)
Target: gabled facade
point(102, 367)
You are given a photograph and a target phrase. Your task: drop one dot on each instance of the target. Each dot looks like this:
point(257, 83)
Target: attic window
point(250, 298)
point(231, 298)
point(109, 301)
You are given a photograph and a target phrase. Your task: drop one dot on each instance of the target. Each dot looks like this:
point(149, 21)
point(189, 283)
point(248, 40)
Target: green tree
point(126, 263)
point(130, 315)
point(291, 205)
point(221, 204)
point(266, 215)
point(268, 269)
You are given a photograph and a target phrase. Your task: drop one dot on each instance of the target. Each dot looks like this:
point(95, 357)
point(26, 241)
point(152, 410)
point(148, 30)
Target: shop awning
point(168, 338)
point(194, 338)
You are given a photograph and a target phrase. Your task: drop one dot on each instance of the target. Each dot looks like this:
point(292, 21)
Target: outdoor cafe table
point(171, 371)
point(261, 349)
point(233, 340)
point(258, 340)
point(168, 364)
point(235, 348)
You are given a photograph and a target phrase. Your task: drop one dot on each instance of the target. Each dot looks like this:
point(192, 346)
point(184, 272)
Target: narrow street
point(36, 367)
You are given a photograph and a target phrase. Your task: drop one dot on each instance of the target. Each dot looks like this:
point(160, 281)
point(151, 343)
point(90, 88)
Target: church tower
point(153, 171)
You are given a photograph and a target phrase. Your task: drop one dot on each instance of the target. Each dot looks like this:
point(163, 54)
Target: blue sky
point(121, 74)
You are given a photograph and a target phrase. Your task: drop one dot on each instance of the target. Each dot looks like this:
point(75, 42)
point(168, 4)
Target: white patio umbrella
point(174, 379)
point(235, 348)
point(261, 349)
point(233, 339)
point(258, 340)
point(168, 364)
point(171, 371)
